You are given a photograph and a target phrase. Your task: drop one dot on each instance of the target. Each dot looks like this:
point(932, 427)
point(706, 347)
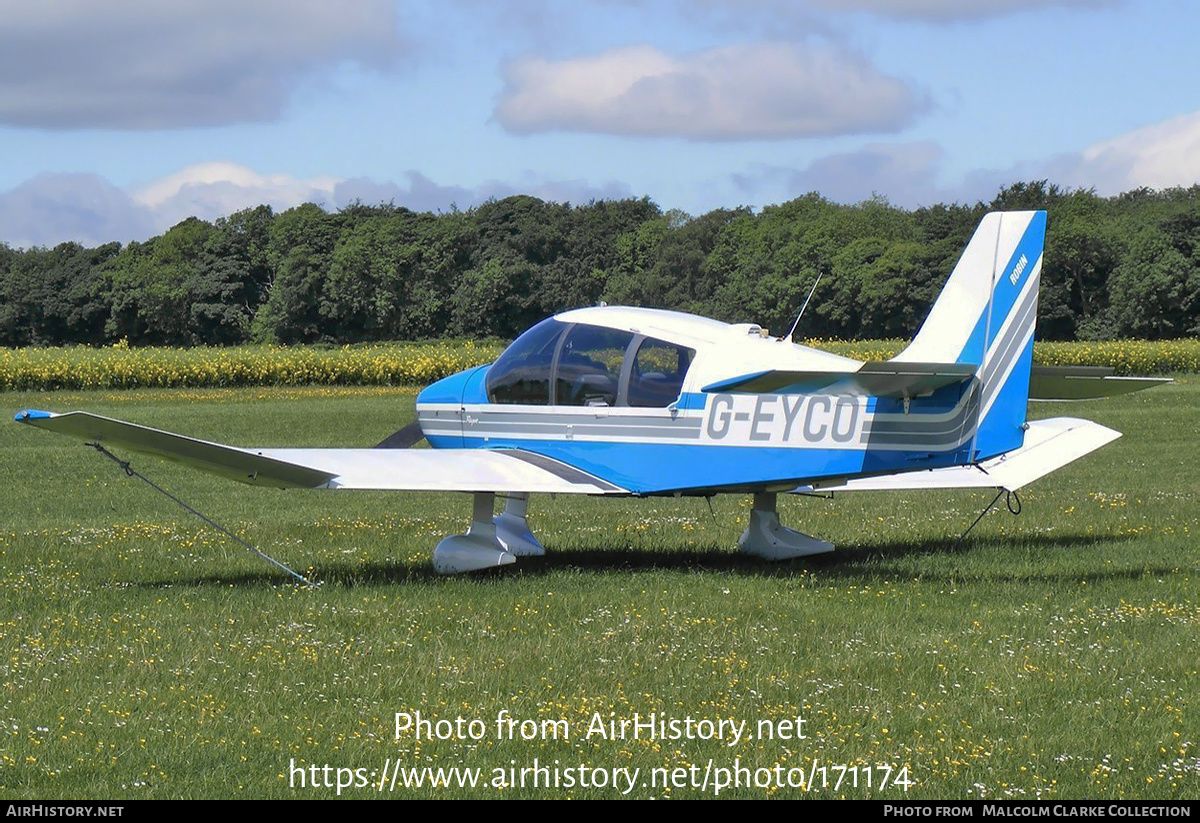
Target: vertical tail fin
point(985, 317)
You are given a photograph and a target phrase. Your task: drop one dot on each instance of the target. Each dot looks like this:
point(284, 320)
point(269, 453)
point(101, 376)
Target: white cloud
point(754, 91)
point(805, 17)
point(53, 208)
point(422, 194)
point(908, 175)
point(145, 64)
point(905, 173)
point(558, 191)
point(1159, 156)
point(211, 190)
point(948, 10)
point(419, 194)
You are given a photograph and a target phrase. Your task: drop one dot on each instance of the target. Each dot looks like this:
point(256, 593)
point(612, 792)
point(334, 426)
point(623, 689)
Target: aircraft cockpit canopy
point(576, 364)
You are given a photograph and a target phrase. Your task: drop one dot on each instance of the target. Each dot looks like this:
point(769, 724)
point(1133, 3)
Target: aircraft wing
point(466, 470)
point(1049, 445)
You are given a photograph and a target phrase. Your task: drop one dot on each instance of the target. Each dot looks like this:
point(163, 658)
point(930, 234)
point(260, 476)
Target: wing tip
point(25, 415)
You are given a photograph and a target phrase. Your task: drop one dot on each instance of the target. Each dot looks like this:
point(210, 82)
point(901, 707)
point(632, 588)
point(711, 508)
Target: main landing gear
point(499, 539)
point(490, 540)
point(766, 538)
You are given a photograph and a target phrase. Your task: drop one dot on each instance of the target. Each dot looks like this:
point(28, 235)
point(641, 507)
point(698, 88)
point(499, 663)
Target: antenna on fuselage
point(787, 338)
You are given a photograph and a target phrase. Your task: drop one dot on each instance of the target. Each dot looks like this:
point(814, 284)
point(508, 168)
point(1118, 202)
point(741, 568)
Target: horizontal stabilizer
point(467, 470)
point(1049, 445)
point(1084, 383)
point(874, 379)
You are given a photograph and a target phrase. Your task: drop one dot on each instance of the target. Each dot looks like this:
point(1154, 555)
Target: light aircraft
point(635, 401)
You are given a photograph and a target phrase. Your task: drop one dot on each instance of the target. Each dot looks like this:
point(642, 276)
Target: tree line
point(1122, 266)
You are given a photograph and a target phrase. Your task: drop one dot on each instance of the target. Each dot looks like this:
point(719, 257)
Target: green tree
point(236, 276)
point(299, 252)
point(53, 296)
point(153, 287)
point(1155, 290)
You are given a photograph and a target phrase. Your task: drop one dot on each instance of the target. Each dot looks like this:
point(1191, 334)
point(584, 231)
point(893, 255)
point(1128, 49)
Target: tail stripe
point(1012, 342)
point(1007, 285)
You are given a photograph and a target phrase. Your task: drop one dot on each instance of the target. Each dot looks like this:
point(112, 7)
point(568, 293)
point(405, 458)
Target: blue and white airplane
point(634, 401)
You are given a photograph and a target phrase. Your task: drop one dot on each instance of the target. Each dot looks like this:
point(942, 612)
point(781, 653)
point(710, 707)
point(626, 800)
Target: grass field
point(1051, 655)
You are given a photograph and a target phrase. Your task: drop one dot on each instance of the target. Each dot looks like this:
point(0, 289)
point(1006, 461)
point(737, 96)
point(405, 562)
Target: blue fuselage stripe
point(649, 468)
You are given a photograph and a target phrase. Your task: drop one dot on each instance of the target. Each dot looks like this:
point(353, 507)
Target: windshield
point(581, 365)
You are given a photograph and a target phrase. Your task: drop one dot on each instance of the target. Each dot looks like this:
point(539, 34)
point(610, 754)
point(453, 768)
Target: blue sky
point(119, 119)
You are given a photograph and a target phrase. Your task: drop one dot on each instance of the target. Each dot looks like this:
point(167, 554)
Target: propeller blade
point(406, 438)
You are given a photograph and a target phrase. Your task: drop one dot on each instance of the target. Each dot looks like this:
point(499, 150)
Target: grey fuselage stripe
point(944, 435)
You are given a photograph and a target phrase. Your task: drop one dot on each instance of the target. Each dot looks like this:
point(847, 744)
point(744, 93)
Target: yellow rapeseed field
point(416, 364)
point(121, 367)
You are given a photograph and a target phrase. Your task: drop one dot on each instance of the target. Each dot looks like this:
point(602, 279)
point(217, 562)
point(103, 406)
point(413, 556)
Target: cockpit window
point(576, 364)
point(589, 366)
point(522, 373)
point(657, 374)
